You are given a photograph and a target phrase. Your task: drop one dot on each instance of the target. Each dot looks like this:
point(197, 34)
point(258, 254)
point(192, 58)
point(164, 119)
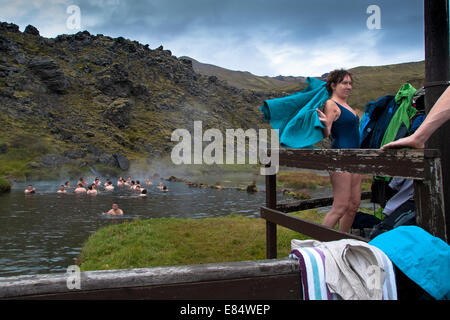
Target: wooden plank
point(437, 69)
point(280, 287)
point(312, 203)
point(306, 227)
point(429, 201)
point(120, 283)
point(271, 192)
point(271, 228)
point(394, 163)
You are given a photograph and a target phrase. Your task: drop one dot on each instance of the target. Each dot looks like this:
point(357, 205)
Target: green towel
point(404, 114)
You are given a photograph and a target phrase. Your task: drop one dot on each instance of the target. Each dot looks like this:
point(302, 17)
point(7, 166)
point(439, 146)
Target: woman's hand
point(324, 120)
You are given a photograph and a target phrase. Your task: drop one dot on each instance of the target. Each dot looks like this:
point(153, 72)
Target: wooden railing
point(247, 280)
point(423, 166)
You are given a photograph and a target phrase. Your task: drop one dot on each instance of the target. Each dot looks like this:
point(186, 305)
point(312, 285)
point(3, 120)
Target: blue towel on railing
point(295, 116)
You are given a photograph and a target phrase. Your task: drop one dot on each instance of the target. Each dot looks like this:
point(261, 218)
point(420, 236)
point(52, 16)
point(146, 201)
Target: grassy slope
point(176, 241)
point(370, 83)
point(245, 79)
point(173, 241)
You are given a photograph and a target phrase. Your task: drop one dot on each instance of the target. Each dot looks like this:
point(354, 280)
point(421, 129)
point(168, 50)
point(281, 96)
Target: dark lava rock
point(122, 161)
point(48, 71)
point(7, 45)
point(10, 27)
point(31, 30)
point(75, 154)
point(108, 160)
point(52, 161)
point(118, 112)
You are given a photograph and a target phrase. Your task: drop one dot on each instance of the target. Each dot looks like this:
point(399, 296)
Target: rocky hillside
point(82, 100)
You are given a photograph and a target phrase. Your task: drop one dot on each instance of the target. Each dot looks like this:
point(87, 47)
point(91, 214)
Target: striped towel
point(312, 270)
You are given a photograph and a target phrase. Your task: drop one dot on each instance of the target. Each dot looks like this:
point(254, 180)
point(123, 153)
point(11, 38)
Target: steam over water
point(44, 232)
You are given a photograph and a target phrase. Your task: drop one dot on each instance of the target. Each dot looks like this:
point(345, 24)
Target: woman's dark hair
point(336, 77)
point(90, 187)
point(144, 191)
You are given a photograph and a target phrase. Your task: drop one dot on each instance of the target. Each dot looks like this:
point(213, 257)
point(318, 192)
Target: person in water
point(61, 189)
point(165, 189)
point(91, 190)
point(160, 186)
point(109, 186)
point(97, 183)
point(342, 123)
point(30, 189)
point(67, 185)
point(80, 188)
point(114, 211)
point(143, 193)
point(148, 182)
point(82, 181)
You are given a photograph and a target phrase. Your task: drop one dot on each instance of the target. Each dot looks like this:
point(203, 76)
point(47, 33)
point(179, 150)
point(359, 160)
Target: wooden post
point(437, 75)
point(429, 199)
point(271, 228)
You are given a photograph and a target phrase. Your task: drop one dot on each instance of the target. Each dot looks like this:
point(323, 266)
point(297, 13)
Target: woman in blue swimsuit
point(342, 123)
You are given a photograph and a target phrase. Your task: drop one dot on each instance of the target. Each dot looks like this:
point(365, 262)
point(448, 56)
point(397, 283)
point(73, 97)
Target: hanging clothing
point(401, 121)
point(423, 258)
point(354, 270)
point(345, 130)
point(405, 192)
point(375, 120)
point(296, 117)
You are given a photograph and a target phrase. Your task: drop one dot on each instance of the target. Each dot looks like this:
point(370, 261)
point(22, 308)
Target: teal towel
point(295, 116)
point(425, 259)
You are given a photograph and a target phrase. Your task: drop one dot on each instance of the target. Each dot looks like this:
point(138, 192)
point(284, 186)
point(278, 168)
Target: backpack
point(402, 216)
point(363, 220)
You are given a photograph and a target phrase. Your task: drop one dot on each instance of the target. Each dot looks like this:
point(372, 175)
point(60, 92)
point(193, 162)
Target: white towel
point(354, 269)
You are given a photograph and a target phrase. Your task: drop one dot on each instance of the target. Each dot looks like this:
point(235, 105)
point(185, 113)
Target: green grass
point(176, 241)
point(304, 181)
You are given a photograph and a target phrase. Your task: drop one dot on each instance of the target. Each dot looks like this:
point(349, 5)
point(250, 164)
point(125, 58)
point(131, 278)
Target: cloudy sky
point(264, 37)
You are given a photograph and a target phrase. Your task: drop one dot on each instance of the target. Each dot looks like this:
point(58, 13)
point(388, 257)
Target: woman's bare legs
point(346, 221)
point(346, 199)
point(341, 183)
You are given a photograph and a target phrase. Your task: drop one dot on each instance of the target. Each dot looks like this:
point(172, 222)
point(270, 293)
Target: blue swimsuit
point(345, 130)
